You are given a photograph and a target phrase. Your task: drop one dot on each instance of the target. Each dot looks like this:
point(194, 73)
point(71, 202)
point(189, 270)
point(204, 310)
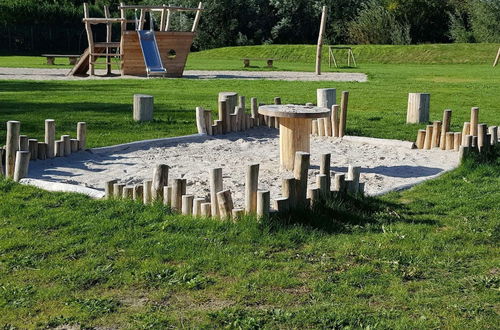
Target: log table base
point(295, 128)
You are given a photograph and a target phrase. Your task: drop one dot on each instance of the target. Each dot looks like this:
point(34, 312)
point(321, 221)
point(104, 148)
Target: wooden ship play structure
point(141, 52)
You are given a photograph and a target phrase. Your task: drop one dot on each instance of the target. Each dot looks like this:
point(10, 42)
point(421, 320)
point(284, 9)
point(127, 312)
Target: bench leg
point(269, 63)
point(50, 61)
point(246, 63)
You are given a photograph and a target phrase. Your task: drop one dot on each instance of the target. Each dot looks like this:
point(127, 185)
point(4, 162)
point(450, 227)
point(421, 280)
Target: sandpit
point(385, 164)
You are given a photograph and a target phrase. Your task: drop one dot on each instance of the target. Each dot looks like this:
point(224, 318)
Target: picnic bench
point(269, 61)
point(52, 57)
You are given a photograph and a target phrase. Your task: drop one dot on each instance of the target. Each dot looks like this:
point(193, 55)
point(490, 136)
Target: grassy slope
point(424, 258)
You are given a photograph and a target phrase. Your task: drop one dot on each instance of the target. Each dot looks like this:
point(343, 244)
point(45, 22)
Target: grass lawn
point(423, 258)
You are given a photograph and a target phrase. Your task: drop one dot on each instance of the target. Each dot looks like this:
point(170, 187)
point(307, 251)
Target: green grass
point(424, 258)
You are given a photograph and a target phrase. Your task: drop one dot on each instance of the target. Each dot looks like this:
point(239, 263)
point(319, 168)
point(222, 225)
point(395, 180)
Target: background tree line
point(55, 25)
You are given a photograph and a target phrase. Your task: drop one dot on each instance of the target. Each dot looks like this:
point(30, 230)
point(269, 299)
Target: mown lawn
point(423, 258)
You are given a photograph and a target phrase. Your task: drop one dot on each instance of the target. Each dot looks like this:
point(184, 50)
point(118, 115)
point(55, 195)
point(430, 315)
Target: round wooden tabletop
point(293, 111)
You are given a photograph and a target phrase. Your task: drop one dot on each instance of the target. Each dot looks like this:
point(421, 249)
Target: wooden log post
point(445, 127)
point(300, 171)
point(319, 47)
point(314, 129)
point(75, 145)
point(215, 187)
point(66, 139)
point(324, 168)
point(33, 148)
point(143, 107)
point(474, 120)
point(468, 141)
point(418, 108)
point(322, 185)
point(231, 99)
point(200, 120)
point(277, 100)
point(428, 137)
point(289, 190)
point(208, 121)
point(50, 137)
point(187, 204)
point(118, 190)
point(59, 148)
point(128, 192)
point(197, 202)
point(167, 195)
point(339, 183)
point(23, 143)
point(178, 189)
point(109, 188)
point(481, 137)
point(343, 113)
point(353, 174)
point(314, 196)
point(493, 131)
point(255, 111)
point(237, 214)
point(326, 98)
point(263, 203)
point(282, 205)
point(42, 150)
point(450, 137)
point(206, 210)
point(335, 120)
point(1, 162)
point(457, 140)
point(160, 180)
point(421, 139)
point(12, 147)
point(224, 117)
point(81, 135)
point(465, 132)
point(225, 202)
point(22, 164)
point(321, 126)
point(138, 194)
point(146, 193)
point(251, 187)
point(436, 134)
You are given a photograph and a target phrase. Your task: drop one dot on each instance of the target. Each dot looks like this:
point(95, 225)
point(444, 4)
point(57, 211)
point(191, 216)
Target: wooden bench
point(269, 61)
point(52, 57)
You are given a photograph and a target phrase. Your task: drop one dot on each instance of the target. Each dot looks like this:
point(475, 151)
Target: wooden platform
point(133, 60)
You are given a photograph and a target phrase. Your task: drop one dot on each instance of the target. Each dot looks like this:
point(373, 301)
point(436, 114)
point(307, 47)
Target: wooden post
point(343, 113)
point(314, 129)
point(42, 150)
point(324, 168)
point(335, 120)
point(282, 205)
point(50, 137)
point(160, 180)
point(109, 188)
point(436, 134)
point(277, 100)
point(167, 195)
point(457, 141)
point(421, 139)
point(450, 136)
point(167, 23)
point(197, 202)
point(225, 202)
point(208, 121)
point(178, 189)
point(481, 136)
point(313, 195)
point(215, 187)
point(81, 135)
point(468, 141)
point(320, 40)
point(231, 99)
point(289, 189)
point(143, 107)
point(146, 193)
point(445, 128)
point(138, 194)
point(263, 203)
point(21, 165)
point(123, 17)
point(200, 120)
point(251, 187)
point(497, 58)
point(128, 192)
point(66, 139)
point(493, 131)
point(339, 183)
point(321, 126)
point(59, 148)
point(118, 190)
point(465, 131)
point(206, 210)
point(294, 136)
point(33, 148)
point(474, 120)
point(255, 110)
point(224, 117)
point(326, 98)
point(187, 204)
point(353, 174)
point(12, 146)
point(322, 184)
point(300, 171)
point(23, 143)
point(428, 137)
point(197, 18)
point(418, 108)
point(108, 39)
point(238, 214)
point(75, 144)
point(90, 40)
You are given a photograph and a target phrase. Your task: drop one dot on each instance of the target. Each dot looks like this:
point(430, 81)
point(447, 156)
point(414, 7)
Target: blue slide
point(151, 54)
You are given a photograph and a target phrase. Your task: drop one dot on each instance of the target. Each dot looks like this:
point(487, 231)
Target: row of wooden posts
point(294, 190)
point(232, 116)
point(474, 136)
point(20, 149)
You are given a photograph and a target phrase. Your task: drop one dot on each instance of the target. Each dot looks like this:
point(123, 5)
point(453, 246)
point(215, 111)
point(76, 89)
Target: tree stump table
point(295, 128)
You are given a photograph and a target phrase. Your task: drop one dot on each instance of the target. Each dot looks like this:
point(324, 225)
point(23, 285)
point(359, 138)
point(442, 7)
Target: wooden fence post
point(251, 187)
point(12, 146)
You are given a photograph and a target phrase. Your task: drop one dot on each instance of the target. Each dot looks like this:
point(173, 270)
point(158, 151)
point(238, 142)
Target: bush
point(478, 21)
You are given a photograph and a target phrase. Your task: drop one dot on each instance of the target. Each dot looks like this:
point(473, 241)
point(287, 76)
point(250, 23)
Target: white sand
point(60, 74)
point(386, 164)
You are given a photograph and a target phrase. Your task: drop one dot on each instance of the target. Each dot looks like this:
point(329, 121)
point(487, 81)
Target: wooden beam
point(497, 58)
point(320, 40)
point(108, 39)
point(197, 18)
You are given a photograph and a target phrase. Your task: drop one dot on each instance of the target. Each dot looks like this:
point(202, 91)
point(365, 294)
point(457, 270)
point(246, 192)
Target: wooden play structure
point(140, 52)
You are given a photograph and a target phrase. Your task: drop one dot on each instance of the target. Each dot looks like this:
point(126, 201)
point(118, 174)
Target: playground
point(397, 226)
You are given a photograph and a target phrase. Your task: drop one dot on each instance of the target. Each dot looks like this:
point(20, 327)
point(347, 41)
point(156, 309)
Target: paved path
point(60, 74)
